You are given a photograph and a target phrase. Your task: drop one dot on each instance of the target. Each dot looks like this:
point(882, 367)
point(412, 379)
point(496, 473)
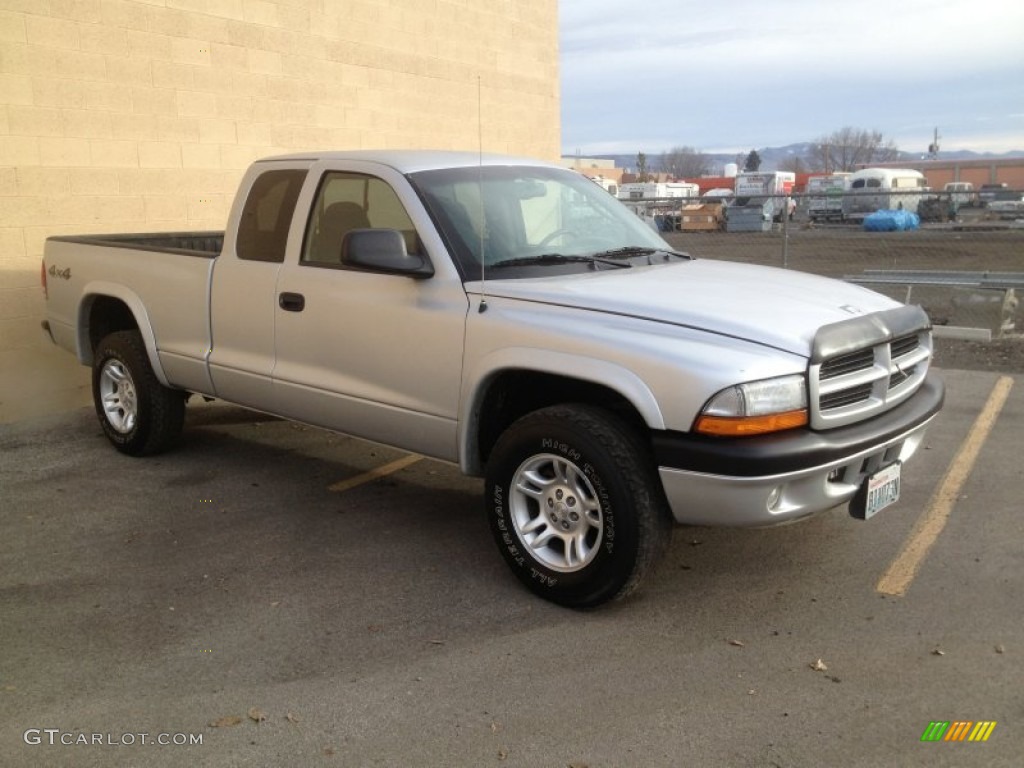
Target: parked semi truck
point(512, 318)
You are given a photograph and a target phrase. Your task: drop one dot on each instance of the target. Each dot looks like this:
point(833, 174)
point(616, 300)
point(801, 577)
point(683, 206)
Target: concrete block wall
point(140, 115)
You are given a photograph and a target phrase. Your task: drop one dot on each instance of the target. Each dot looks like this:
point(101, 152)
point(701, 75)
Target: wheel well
point(514, 394)
point(107, 315)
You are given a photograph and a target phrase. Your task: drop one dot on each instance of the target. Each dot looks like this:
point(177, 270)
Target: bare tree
point(794, 164)
point(684, 163)
point(848, 148)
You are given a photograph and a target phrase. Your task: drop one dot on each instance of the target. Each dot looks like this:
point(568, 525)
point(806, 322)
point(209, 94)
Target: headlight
point(755, 408)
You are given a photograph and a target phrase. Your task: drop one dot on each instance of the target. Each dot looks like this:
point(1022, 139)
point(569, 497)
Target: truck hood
point(775, 307)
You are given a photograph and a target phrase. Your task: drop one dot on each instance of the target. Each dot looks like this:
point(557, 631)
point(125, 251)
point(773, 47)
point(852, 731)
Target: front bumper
point(774, 479)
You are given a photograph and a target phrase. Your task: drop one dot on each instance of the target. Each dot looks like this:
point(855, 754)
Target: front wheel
point(138, 414)
point(575, 506)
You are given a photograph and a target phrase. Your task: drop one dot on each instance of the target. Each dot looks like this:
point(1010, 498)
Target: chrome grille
point(845, 397)
point(900, 376)
point(852, 386)
point(854, 361)
point(904, 345)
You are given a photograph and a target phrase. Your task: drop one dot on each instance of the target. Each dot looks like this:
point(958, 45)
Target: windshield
point(526, 215)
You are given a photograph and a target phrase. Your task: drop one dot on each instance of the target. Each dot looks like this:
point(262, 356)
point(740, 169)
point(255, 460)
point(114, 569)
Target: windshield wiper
point(638, 250)
point(556, 258)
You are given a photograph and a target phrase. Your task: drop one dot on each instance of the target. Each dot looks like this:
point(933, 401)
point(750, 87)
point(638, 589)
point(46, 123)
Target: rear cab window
point(267, 215)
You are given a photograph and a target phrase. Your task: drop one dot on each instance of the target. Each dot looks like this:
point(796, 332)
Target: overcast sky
point(732, 75)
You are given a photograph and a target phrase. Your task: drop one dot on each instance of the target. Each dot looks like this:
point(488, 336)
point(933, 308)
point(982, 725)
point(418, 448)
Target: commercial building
point(1003, 170)
point(140, 115)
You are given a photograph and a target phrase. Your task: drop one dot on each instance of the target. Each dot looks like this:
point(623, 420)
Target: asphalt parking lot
point(293, 597)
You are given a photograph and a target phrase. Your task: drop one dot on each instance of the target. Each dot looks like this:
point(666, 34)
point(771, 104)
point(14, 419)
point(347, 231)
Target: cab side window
point(348, 201)
point(267, 215)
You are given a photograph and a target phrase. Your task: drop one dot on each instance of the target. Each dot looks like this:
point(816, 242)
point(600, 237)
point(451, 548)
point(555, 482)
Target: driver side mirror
point(383, 250)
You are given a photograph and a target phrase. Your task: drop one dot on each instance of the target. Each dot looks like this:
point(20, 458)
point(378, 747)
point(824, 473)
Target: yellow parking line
point(902, 570)
point(374, 474)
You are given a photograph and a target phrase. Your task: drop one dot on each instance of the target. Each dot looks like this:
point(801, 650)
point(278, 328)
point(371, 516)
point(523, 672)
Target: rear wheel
point(575, 506)
point(138, 414)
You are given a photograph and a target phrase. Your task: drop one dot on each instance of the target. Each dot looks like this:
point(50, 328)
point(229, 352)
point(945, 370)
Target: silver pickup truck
point(512, 318)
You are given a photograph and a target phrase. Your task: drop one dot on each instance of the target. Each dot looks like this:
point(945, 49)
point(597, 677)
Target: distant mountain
point(773, 157)
point(966, 154)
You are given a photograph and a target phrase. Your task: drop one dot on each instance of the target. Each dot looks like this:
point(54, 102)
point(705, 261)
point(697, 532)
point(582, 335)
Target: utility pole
point(933, 148)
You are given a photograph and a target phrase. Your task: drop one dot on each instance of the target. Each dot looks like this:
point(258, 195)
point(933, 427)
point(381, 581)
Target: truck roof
point(885, 173)
point(413, 160)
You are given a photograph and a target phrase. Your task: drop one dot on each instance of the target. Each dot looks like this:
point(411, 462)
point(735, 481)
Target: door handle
point(291, 302)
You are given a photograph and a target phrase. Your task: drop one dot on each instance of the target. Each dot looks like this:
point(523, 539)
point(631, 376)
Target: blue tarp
point(891, 221)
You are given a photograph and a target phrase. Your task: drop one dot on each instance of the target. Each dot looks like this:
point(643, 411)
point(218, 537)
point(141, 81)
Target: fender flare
point(103, 289)
point(592, 370)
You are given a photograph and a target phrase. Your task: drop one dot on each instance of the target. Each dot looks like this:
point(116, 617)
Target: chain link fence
point(963, 264)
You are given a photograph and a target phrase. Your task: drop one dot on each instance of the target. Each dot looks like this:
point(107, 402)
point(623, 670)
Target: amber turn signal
point(744, 426)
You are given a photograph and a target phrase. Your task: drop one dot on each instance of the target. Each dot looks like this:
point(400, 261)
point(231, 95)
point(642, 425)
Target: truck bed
point(153, 277)
point(203, 244)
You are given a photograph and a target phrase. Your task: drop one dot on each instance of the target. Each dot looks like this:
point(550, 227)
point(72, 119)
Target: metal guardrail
point(996, 281)
point(997, 316)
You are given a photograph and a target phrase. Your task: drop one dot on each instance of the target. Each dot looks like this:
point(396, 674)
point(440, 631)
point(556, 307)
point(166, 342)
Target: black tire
point(575, 505)
point(138, 414)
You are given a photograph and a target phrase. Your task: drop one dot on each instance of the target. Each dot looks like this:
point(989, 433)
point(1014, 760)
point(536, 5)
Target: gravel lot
point(836, 251)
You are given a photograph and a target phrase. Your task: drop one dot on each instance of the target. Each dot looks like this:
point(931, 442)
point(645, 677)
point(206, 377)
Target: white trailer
point(608, 185)
point(649, 190)
point(879, 189)
point(771, 189)
point(825, 196)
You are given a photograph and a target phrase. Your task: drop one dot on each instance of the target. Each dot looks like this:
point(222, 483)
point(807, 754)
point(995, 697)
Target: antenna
point(480, 193)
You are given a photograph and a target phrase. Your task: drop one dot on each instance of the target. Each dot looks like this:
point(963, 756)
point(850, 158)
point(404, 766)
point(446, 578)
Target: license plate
point(879, 491)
